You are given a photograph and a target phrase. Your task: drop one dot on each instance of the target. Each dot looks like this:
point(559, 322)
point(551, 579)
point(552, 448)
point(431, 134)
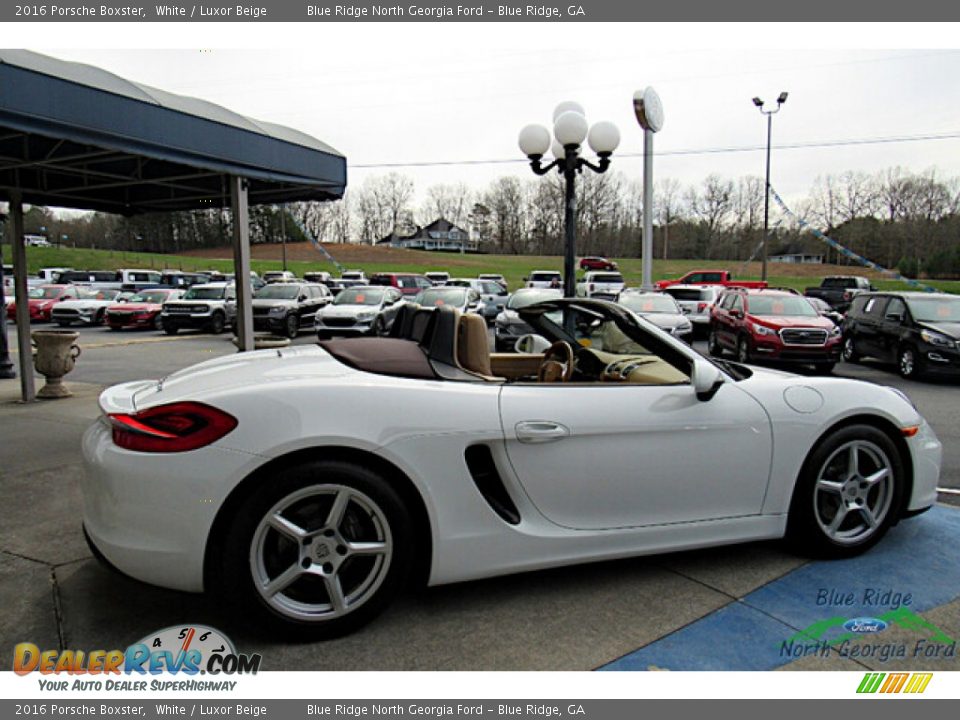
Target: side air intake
point(487, 479)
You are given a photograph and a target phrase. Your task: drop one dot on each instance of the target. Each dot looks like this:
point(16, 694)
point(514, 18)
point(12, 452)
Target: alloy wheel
point(907, 362)
point(321, 552)
point(853, 492)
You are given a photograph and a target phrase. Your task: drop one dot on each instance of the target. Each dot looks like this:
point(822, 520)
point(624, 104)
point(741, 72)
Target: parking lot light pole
point(781, 99)
point(649, 112)
point(570, 129)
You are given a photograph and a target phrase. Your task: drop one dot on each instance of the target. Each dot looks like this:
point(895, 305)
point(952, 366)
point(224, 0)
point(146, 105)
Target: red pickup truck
point(710, 277)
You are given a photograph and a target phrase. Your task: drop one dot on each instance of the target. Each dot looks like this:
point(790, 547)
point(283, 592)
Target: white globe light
point(648, 109)
point(534, 140)
point(604, 137)
point(568, 106)
point(558, 152)
point(570, 128)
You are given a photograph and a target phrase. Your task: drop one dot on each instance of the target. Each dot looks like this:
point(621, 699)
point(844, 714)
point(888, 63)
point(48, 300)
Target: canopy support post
point(241, 261)
point(27, 390)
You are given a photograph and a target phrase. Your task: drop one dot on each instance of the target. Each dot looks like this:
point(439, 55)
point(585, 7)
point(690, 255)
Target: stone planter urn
point(55, 354)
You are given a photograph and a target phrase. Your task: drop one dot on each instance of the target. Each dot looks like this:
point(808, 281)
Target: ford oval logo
point(865, 625)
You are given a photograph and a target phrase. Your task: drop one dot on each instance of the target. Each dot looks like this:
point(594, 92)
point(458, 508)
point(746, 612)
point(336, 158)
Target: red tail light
point(847, 295)
point(701, 307)
point(177, 427)
point(591, 287)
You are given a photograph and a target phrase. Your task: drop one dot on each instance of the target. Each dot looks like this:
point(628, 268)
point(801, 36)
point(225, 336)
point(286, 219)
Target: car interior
point(442, 343)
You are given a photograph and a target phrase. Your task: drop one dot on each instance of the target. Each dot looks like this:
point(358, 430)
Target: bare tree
point(666, 207)
point(451, 202)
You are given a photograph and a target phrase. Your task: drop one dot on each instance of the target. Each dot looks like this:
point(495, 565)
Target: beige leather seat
point(473, 346)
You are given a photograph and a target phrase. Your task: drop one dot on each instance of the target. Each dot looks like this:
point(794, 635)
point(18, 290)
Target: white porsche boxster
point(305, 486)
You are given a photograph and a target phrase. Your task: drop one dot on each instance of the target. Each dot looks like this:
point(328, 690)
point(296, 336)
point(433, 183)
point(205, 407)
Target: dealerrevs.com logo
point(187, 649)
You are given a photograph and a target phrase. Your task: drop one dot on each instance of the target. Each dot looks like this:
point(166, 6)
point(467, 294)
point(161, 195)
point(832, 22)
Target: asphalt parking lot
point(727, 608)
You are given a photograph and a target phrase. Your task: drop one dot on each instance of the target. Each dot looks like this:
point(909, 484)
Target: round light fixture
point(568, 106)
point(648, 109)
point(604, 137)
point(570, 128)
point(534, 140)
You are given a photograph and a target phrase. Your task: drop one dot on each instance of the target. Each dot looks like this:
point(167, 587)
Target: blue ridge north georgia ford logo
point(865, 625)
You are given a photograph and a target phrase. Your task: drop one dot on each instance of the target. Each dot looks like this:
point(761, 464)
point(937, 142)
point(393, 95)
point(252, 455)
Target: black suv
point(284, 308)
point(916, 330)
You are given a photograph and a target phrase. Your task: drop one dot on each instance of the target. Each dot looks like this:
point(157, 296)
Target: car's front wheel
point(743, 349)
point(908, 362)
point(319, 550)
point(848, 493)
point(292, 325)
point(217, 323)
point(713, 344)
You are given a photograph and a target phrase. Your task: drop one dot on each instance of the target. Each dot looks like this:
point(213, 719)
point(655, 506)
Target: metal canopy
point(73, 135)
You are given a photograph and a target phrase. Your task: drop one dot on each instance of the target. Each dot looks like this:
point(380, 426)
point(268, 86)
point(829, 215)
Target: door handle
point(540, 431)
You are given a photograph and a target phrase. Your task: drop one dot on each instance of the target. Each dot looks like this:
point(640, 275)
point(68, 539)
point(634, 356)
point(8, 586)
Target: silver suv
point(210, 307)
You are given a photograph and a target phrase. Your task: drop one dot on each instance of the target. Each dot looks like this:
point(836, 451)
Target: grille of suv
point(339, 322)
point(803, 336)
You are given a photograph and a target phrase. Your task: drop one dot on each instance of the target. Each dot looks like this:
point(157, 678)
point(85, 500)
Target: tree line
point(895, 217)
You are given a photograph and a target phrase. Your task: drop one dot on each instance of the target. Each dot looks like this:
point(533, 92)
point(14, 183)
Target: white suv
point(211, 307)
point(544, 279)
point(601, 284)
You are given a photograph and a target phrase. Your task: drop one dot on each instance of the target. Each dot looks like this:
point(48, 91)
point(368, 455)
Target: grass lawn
point(370, 259)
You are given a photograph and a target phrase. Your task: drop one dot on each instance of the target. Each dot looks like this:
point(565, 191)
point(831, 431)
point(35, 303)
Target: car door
point(611, 455)
point(868, 327)
point(891, 330)
point(726, 322)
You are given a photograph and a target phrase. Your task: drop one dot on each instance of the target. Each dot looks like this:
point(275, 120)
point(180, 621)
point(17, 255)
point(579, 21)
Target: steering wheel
point(557, 365)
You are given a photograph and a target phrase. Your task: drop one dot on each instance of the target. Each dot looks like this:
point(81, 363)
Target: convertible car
point(284, 483)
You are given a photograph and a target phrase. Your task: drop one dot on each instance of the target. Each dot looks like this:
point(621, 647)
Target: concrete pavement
point(585, 617)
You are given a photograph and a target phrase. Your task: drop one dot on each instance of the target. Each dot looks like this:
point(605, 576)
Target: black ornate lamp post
point(781, 99)
point(570, 129)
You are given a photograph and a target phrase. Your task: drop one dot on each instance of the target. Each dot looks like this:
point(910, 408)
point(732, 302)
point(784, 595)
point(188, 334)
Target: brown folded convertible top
point(382, 355)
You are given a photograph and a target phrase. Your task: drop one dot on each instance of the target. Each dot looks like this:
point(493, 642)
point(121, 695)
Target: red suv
point(407, 283)
point(773, 325)
point(597, 263)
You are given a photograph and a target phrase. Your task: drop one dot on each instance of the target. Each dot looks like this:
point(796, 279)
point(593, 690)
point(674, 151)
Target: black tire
point(825, 368)
point(848, 350)
point(291, 326)
point(217, 323)
point(909, 364)
point(98, 319)
point(64, 323)
point(379, 328)
point(170, 329)
point(158, 322)
point(811, 506)
point(743, 349)
point(298, 609)
point(713, 344)
point(116, 328)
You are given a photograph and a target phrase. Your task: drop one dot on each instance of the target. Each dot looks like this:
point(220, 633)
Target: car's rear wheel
point(848, 350)
point(713, 344)
point(908, 362)
point(848, 493)
point(319, 550)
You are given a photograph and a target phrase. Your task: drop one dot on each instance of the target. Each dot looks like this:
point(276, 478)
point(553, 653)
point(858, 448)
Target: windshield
point(155, 297)
point(838, 282)
point(277, 292)
point(689, 293)
point(788, 305)
point(644, 304)
point(204, 293)
point(941, 309)
point(454, 296)
point(522, 299)
point(44, 292)
point(359, 296)
point(607, 278)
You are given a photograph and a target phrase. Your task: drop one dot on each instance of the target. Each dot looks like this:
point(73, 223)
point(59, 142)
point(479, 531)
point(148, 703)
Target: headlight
point(762, 330)
point(364, 316)
point(86, 311)
point(937, 339)
point(278, 310)
point(834, 331)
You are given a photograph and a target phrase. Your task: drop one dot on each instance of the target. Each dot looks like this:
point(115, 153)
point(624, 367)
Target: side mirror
point(706, 379)
point(736, 313)
point(302, 298)
point(531, 344)
point(895, 317)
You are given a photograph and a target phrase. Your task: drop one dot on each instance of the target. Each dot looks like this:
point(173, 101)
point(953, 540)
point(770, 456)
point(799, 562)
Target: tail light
point(177, 427)
point(847, 295)
point(701, 307)
point(591, 287)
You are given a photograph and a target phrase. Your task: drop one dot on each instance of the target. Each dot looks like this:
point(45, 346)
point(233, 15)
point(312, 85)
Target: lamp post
point(781, 99)
point(649, 112)
point(570, 129)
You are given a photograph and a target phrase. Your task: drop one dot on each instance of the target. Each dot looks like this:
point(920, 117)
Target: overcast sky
point(442, 93)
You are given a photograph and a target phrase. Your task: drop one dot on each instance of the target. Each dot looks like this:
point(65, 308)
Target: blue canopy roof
point(73, 135)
